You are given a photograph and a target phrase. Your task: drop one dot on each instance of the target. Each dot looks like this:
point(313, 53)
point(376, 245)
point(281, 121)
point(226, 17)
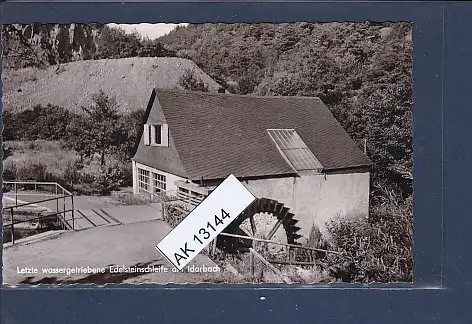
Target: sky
point(152, 31)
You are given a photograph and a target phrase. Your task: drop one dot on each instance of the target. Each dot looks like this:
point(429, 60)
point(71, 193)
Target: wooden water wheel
point(262, 208)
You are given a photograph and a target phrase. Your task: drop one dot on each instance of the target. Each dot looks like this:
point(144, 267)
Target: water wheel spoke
point(253, 225)
point(274, 229)
point(263, 208)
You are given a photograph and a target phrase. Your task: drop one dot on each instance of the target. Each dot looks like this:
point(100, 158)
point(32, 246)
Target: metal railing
point(50, 189)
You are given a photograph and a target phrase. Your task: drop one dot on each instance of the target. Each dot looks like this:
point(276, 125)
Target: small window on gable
point(156, 135)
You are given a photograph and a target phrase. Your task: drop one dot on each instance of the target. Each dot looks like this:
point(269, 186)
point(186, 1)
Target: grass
point(128, 198)
point(50, 156)
point(43, 160)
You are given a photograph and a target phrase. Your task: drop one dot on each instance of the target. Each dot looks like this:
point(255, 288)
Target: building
point(290, 149)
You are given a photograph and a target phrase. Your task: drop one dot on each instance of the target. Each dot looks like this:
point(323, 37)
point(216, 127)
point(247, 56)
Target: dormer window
point(156, 135)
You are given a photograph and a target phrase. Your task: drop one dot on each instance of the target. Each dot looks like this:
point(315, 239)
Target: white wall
point(170, 178)
point(316, 198)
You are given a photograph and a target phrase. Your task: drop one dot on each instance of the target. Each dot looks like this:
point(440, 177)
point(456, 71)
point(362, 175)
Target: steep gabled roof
point(217, 134)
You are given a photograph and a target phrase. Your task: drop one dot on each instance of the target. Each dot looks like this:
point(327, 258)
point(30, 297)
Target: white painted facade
point(317, 198)
point(170, 178)
point(314, 198)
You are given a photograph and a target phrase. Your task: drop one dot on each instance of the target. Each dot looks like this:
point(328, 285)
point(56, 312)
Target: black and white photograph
point(115, 135)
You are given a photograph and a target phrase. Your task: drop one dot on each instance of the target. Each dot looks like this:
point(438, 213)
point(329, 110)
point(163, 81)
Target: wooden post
point(270, 266)
point(16, 194)
point(252, 265)
point(213, 246)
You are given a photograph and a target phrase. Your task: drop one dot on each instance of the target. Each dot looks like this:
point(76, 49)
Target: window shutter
point(146, 134)
point(165, 135)
point(153, 134)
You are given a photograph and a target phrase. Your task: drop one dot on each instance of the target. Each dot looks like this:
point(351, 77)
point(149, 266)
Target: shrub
point(377, 248)
point(110, 179)
point(314, 240)
point(130, 199)
point(173, 214)
point(9, 170)
point(42, 122)
point(189, 81)
point(32, 170)
point(71, 173)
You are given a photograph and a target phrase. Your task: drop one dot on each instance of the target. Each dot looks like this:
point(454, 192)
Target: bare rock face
point(35, 45)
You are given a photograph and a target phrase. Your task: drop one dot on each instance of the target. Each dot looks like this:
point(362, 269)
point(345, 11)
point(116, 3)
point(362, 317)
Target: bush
point(32, 170)
point(173, 214)
point(189, 81)
point(377, 248)
point(71, 173)
point(112, 178)
point(315, 240)
point(42, 122)
point(9, 170)
point(130, 199)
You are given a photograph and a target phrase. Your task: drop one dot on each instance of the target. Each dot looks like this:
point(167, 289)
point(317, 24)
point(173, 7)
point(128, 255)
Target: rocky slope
point(26, 45)
point(72, 85)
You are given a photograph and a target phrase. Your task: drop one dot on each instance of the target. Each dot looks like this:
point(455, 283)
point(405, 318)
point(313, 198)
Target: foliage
point(38, 123)
point(39, 45)
point(29, 170)
point(377, 248)
point(105, 130)
point(111, 178)
point(53, 161)
point(189, 81)
point(131, 124)
point(173, 214)
point(115, 43)
point(130, 199)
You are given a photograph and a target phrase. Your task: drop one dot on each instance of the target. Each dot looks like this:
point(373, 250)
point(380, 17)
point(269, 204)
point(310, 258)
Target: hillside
point(37, 44)
point(255, 57)
point(71, 85)
point(361, 71)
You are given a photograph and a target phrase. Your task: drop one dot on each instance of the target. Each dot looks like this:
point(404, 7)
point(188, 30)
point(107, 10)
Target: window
point(143, 181)
point(158, 183)
point(294, 149)
point(156, 135)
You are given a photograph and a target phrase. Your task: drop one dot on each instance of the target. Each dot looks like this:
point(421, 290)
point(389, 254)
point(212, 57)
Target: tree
point(116, 43)
point(153, 48)
point(106, 132)
point(189, 81)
